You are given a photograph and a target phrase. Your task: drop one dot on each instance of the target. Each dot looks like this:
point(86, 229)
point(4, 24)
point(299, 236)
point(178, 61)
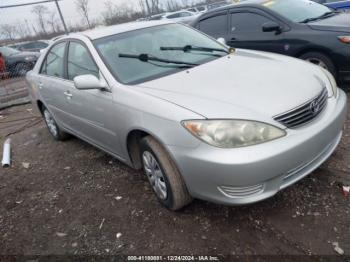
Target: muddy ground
point(70, 198)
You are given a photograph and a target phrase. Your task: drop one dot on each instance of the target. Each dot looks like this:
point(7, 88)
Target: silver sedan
point(202, 120)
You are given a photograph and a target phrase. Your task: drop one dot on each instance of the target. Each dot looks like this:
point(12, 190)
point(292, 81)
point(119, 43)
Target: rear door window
point(53, 65)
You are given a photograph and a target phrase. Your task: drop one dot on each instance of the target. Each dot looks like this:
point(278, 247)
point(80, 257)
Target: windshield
point(297, 10)
point(8, 51)
point(151, 41)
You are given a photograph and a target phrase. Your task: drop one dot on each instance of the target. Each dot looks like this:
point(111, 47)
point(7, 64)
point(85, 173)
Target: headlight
point(332, 82)
point(233, 133)
point(344, 39)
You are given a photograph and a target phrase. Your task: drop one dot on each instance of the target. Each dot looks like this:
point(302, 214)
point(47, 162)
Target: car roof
point(118, 29)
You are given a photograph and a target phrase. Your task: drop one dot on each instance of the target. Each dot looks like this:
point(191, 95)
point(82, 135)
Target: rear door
point(51, 81)
point(245, 31)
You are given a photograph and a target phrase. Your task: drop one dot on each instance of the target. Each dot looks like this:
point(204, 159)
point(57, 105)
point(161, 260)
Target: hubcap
point(318, 62)
point(154, 174)
point(50, 123)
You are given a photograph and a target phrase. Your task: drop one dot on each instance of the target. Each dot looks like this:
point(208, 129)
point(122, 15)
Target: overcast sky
point(12, 15)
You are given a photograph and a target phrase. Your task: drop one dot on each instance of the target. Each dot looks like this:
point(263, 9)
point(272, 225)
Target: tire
point(52, 126)
point(322, 60)
point(163, 175)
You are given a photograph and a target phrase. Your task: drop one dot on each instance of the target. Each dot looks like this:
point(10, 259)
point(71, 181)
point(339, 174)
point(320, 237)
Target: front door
point(245, 31)
point(92, 112)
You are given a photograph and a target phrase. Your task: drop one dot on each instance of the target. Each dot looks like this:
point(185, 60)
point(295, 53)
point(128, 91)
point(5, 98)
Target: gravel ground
point(70, 198)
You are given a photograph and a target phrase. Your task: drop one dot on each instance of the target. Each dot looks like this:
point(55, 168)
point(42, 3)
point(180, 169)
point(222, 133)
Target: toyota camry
point(201, 119)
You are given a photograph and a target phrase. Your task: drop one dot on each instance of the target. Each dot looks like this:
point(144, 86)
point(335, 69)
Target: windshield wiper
point(147, 58)
point(188, 48)
point(325, 15)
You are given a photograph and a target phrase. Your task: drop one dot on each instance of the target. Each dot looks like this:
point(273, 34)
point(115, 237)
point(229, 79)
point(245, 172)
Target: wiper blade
point(325, 15)
point(147, 58)
point(188, 48)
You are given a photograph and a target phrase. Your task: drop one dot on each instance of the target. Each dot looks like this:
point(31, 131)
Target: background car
point(34, 46)
point(198, 9)
point(298, 28)
point(218, 4)
point(182, 16)
point(156, 17)
point(18, 63)
point(336, 4)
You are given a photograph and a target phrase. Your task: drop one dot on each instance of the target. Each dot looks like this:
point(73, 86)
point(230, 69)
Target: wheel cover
point(318, 62)
point(51, 124)
point(155, 175)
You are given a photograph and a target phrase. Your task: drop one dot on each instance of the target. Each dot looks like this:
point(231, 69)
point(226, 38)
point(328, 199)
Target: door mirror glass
point(87, 82)
point(271, 27)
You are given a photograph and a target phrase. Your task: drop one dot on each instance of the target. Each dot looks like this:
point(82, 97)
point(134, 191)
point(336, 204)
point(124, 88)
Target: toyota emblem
point(315, 107)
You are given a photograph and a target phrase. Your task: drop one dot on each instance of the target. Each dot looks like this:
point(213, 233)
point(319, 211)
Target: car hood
point(338, 23)
point(247, 84)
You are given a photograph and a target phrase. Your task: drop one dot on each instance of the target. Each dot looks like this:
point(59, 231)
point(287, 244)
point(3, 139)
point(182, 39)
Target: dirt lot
point(70, 198)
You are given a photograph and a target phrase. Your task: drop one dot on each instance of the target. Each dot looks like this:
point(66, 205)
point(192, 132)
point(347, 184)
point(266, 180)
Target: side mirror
point(88, 82)
point(272, 27)
point(221, 40)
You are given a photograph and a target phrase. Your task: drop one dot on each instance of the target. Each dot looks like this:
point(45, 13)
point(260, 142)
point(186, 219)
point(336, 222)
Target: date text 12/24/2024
point(173, 258)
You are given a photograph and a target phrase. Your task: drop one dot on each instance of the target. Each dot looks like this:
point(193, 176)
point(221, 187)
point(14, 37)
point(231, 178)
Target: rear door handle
point(41, 85)
point(68, 94)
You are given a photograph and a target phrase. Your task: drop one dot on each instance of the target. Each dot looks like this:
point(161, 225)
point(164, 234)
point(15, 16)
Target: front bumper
point(251, 174)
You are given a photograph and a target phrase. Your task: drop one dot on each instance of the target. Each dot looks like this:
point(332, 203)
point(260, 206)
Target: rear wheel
point(321, 60)
point(163, 175)
point(52, 126)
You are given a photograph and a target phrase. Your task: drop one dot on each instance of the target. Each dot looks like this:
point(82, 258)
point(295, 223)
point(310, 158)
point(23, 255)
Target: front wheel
point(163, 175)
point(321, 60)
point(54, 129)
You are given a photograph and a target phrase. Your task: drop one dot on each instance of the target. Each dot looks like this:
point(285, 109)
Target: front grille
point(304, 113)
point(240, 192)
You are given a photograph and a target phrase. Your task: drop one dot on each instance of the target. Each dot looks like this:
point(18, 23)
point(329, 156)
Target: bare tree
point(83, 8)
point(41, 11)
point(52, 21)
point(26, 22)
point(21, 29)
point(172, 5)
point(117, 14)
point(155, 7)
point(9, 31)
point(143, 7)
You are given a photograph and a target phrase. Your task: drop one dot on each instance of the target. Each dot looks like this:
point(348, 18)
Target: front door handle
point(68, 94)
point(41, 85)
